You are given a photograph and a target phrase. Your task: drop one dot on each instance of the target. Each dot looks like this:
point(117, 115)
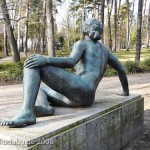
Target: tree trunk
point(119, 7)
point(19, 15)
point(13, 7)
point(102, 15)
point(22, 43)
point(10, 34)
point(109, 10)
point(38, 43)
point(43, 27)
point(26, 29)
point(94, 9)
point(98, 10)
point(139, 26)
point(144, 7)
point(84, 17)
point(5, 42)
point(50, 28)
point(102, 11)
point(115, 25)
point(119, 33)
point(127, 27)
point(148, 28)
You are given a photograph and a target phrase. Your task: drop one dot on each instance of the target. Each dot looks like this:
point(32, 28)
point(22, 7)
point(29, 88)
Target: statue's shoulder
point(106, 48)
point(80, 44)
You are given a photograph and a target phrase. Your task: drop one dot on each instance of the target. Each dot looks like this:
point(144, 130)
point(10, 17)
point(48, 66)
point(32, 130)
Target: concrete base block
point(111, 123)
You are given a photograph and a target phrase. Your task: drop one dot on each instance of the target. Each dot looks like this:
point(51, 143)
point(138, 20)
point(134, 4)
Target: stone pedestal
point(111, 123)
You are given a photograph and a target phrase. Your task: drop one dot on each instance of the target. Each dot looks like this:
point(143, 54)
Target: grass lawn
point(1, 55)
point(124, 55)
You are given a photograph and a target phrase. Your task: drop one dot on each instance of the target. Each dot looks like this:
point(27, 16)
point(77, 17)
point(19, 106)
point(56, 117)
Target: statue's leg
point(30, 87)
point(55, 98)
point(75, 88)
point(42, 107)
point(76, 91)
point(47, 98)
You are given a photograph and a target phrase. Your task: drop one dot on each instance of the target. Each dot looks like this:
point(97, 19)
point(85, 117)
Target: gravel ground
point(138, 84)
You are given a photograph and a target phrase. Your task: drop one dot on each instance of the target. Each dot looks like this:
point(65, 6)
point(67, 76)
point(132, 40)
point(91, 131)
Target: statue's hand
point(35, 60)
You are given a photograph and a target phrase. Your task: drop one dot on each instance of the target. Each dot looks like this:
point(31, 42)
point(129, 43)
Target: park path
point(10, 58)
point(6, 59)
point(138, 84)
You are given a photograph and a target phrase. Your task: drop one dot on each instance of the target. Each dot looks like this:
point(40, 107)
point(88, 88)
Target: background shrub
point(146, 62)
point(110, 72)
point(11, 73)
point(132, 67)
point(145, 65)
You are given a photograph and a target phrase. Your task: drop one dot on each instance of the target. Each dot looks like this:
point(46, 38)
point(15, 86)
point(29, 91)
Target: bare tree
point(102, 11)
point(84, 16)
point(43, 27)
point(119, 34)
point(13, 7)
point(139, 26)
point(5, 42)
point(94, 14)
point(109, 11)
point(11, 39)
point(102, 14)
point(19, 15)
point(115, 25)
point(119, 7)
point(144, 9)
point(50, 27)
point(148, 28)
point(128, 27)
point(26, 29)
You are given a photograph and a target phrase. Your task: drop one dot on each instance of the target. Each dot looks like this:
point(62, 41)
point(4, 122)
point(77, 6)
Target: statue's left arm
point(115, 64)
point(37, 60)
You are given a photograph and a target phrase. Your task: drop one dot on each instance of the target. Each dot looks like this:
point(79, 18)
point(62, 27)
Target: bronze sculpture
point(62, 87)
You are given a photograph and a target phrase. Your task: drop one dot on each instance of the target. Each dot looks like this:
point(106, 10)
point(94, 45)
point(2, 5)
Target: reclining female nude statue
point(62, 88)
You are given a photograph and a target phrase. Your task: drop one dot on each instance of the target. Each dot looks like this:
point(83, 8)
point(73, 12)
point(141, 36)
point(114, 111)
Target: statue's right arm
point(115, 63)
point(71, 60)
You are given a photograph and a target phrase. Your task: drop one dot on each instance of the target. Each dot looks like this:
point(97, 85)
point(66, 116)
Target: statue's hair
point(93, 28)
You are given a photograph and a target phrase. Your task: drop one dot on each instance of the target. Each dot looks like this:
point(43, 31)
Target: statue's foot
point(20, 120)
point(41, 111)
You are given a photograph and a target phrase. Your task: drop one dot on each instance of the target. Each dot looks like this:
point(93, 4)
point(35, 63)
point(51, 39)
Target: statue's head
point(93, 28)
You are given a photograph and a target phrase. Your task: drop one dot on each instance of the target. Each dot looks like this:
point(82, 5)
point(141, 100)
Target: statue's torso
point(93, 63)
